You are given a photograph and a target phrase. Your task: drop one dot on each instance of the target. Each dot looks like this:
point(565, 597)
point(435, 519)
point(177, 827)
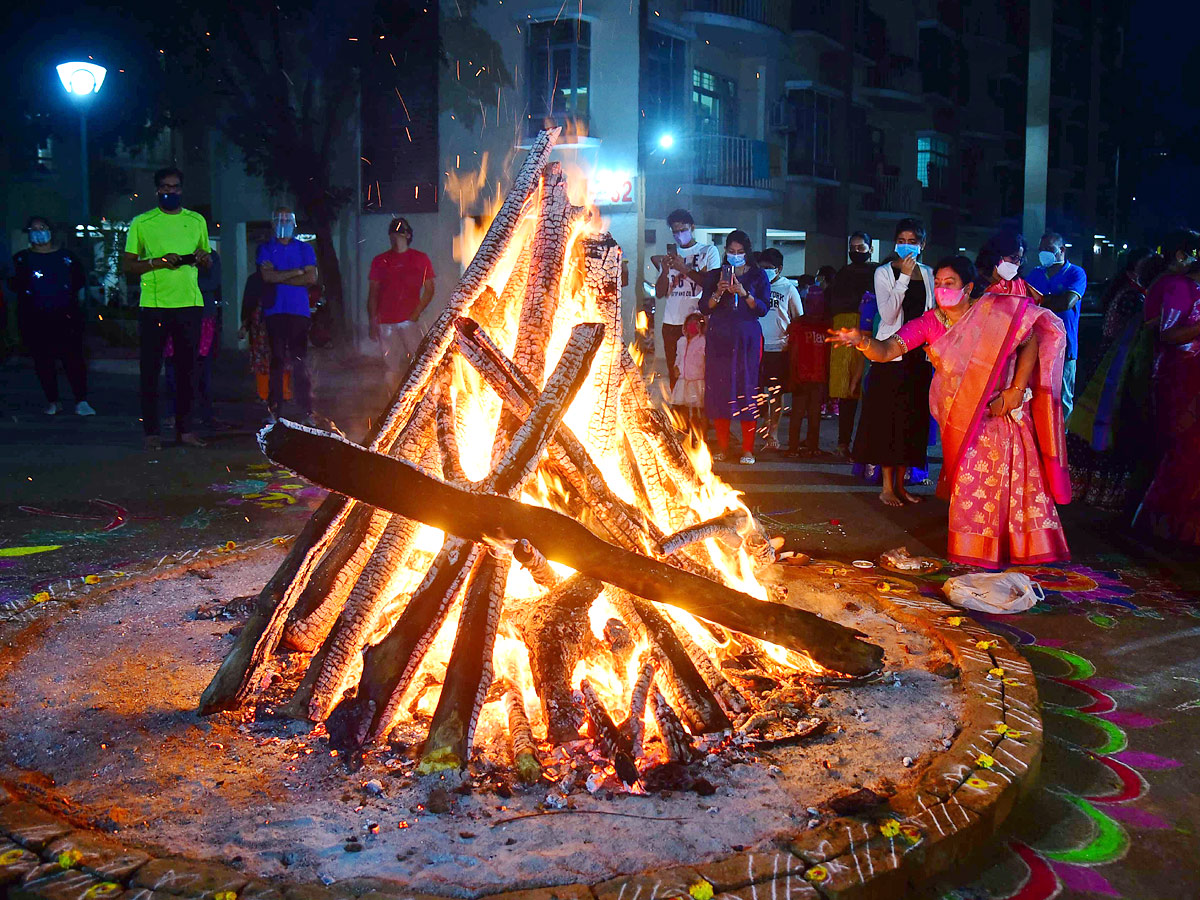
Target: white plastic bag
point(1002, 592)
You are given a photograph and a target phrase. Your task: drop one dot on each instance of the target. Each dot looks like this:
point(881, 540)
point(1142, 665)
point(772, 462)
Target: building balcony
point(891, 196)
point(757, 17)
point(894, 84)
point(720, 165)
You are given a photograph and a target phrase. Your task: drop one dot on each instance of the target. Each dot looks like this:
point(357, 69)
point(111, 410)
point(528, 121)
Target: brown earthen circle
point(957, 803)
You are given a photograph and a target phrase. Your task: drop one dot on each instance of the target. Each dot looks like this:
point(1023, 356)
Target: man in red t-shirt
point(401, 286)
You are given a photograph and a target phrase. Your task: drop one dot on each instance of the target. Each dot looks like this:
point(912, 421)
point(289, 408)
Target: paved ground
point(1114, 644)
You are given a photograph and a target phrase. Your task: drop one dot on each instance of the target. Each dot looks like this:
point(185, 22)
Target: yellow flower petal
point(987, 645)
point(229, 545)
point(955, 620)
point(701, 890)
point(889, 828)
point(1000, 728)
point(68, 858)
point(998, 671)
point(984, 761)
point(41, 597)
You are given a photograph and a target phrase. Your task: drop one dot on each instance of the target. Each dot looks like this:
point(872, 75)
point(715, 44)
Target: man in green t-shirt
point(166, 246)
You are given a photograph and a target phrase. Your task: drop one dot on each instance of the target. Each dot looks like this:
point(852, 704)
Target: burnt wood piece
point(469, 672)
point(349, 538)
point(634, 726)
point(676, 740)
point(689, 690)
point(389, 666)
point(726, 527)
point(520, 734)
point(532, 560)
point(307, 630)
point(619, 641)
point(602, 284)
point(547, 259)
point(608, 738)
point(256, 642)
point(625, 522)
point(556, 631)
point(447, 441)
point(401, 487)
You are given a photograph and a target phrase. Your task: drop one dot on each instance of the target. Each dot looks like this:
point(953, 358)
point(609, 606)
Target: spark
point(364, 159)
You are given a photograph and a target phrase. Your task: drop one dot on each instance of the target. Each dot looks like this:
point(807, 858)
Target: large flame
point(477, 411)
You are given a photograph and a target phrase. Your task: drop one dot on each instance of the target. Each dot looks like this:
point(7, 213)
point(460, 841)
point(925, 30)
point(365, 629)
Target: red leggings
point(748, 429)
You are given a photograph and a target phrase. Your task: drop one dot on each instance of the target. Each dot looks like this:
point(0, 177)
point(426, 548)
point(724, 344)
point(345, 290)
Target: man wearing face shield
point(291, 266)
point(166, 247)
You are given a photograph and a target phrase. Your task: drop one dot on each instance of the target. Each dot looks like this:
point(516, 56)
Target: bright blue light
point(81, 77)
point(666, 141)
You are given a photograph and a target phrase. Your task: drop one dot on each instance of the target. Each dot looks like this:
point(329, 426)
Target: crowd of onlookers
point(180, 311)
point(877, 340)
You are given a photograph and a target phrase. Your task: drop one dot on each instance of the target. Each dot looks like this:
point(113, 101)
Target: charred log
point(532, 560)
point(401, 487)
point(520, 735)
point(677, 741)
point(608, 738)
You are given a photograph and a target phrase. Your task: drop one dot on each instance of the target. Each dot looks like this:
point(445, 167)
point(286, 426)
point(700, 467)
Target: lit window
point(933, 160)
point(559, 71)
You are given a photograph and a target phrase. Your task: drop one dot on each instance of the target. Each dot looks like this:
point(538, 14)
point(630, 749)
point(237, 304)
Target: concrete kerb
point(957, 805)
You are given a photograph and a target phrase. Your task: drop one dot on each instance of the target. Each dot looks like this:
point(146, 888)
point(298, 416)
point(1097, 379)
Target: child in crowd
point(809, 373)
point(687, 397)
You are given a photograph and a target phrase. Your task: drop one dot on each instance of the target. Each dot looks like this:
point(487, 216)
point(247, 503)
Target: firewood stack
point(524, 433)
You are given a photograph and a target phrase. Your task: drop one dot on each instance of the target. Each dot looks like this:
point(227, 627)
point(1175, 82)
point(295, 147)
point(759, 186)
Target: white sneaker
point(83, 408)
point(53, 409)
point(747, 459)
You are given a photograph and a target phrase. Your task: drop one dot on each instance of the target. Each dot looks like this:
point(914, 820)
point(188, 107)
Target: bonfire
point(525, 554)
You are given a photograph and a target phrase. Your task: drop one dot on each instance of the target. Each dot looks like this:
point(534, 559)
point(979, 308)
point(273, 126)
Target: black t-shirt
point(848, 287)
point(48, 282)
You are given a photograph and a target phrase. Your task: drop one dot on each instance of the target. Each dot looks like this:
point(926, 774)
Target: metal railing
point(774, 13)
point(727, 161)
point(895, 74)
point(891, 194)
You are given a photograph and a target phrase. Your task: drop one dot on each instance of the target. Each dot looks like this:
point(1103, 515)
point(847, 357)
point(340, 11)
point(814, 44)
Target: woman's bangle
point(863, 342)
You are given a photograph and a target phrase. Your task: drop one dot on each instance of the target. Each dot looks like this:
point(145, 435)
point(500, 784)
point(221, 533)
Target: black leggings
point(51, 336)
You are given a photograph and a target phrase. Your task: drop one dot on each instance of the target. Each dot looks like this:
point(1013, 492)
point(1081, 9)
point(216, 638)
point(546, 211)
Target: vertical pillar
point(1037, 117)
point(83, 157)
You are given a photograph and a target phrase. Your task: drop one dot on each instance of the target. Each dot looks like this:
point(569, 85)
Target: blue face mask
point(771, 274)
point(735, 259)
point(39, 237)
point(170, 202)
point(1047, 257)
point(285, 230)
point(906, 250)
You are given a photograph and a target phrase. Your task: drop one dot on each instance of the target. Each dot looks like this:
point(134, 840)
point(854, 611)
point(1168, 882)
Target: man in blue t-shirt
point(291, 266)
point(1062, 287)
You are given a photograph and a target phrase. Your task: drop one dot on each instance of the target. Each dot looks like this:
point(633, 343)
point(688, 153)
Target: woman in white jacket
point(893, 432)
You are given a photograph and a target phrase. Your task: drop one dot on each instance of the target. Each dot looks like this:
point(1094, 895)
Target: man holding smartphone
point(677, 286)
point(166, 246)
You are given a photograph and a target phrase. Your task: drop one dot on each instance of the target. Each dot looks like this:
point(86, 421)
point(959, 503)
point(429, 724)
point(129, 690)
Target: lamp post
point(81, 80)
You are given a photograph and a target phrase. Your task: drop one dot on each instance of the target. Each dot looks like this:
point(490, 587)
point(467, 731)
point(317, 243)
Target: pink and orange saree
point(1002, 475)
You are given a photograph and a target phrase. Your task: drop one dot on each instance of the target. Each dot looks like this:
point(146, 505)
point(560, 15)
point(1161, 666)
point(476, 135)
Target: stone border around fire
point(958, 803)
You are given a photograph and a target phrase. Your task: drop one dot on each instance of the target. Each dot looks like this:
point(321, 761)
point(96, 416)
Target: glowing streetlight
point(82, 80)
point(666, 141)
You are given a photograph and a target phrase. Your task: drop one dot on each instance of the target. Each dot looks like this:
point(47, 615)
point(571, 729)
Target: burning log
point(520, 734)
point(469, 673)
point(731, 698)
point(634, 726)
point(619, 641)
point(470, 668)
point(691, 692)
point(608, 738)
point(556, 631)
point(726, 527)
point(547, 259)
point(234, 680)
point(676, 740)
point(447, 441)
point(602, 279)
point(393, 484)
point(389, 666)
point(532, 560)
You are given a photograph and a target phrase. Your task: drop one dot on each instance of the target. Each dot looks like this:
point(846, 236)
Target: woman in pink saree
point(1171, 508)
point(996, 396)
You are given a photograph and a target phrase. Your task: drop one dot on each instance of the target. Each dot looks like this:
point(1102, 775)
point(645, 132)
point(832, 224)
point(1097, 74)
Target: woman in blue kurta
point(734, 298)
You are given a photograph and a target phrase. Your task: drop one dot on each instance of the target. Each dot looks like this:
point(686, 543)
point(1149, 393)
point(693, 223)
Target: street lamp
point(81, 80)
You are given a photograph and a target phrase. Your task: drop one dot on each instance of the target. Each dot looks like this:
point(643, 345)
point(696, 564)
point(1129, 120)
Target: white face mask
point(1007, 270)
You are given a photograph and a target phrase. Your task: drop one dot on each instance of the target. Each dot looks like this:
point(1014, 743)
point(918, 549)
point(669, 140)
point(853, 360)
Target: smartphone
point(727, 272)
point(672, 250)
point(188, 259)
